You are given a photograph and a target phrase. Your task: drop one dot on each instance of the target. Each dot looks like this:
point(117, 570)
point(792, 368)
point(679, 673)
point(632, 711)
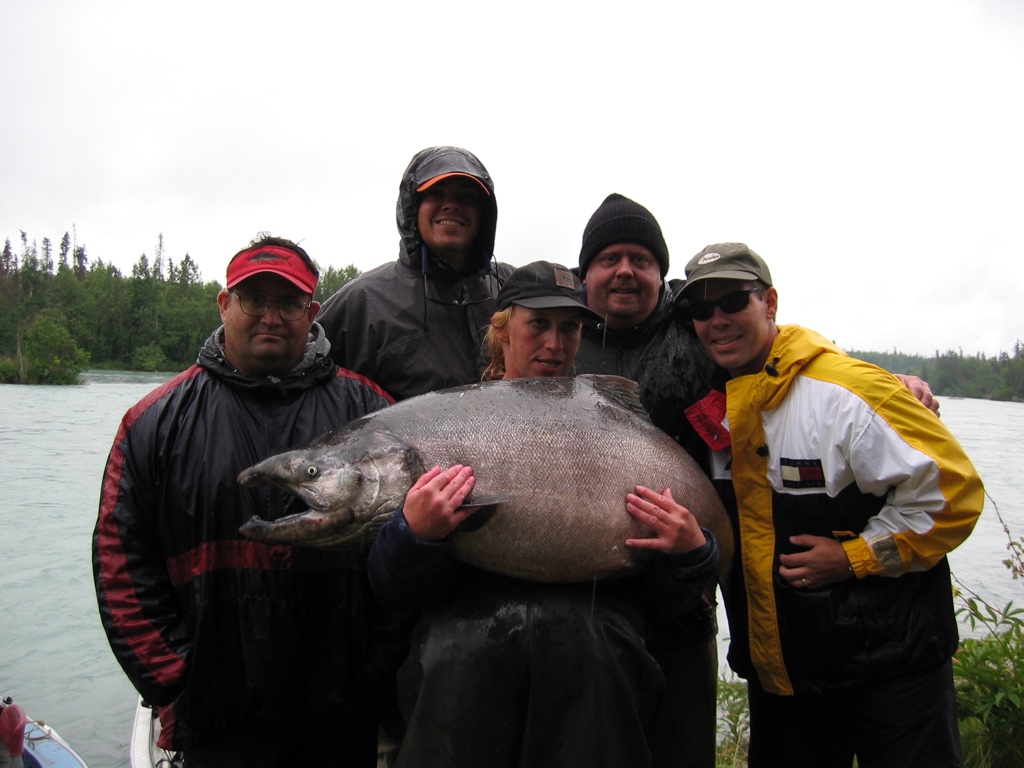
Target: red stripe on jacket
point(115, 578)
point(253, 555)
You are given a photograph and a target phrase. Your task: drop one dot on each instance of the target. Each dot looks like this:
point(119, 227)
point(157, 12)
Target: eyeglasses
point(731, 303)
point(257, 305)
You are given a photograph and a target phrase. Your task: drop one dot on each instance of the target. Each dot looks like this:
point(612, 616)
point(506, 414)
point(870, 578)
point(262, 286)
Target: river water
point(54, 658)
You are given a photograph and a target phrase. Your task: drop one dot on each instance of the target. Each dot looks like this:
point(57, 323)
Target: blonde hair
point(496, 332)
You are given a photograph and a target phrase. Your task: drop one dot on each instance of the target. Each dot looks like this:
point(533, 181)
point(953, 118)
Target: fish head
point(351, 483)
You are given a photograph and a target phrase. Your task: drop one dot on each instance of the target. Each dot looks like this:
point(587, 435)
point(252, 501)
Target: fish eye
point(312, 471)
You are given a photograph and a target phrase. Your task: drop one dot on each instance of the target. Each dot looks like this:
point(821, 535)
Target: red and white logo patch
point(802, 473)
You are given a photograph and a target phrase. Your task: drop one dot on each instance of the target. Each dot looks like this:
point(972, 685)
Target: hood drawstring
point(491, 265)
point(424, 255)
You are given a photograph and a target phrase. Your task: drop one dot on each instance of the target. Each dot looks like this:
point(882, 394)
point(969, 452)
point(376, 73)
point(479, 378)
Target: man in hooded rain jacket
point(417, 324)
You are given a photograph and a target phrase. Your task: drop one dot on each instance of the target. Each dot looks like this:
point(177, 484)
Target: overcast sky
point(871, 151)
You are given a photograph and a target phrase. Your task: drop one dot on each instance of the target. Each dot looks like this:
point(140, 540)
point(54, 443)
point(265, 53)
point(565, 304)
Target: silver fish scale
point(566, 452)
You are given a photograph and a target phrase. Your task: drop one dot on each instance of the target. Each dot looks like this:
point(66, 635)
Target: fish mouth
point(333, 529)
point(318, 523)
point(306, 491)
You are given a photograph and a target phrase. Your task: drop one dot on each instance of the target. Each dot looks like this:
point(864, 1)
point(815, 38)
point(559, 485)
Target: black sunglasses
point(730, 303)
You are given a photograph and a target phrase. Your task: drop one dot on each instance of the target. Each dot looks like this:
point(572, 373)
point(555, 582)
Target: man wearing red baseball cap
point(239, 645)
point(267, 276)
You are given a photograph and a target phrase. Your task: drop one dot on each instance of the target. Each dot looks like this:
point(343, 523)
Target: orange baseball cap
point(431, 182)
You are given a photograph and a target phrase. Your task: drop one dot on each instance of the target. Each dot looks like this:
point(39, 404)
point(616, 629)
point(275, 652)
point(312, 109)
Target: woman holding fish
point(508, 672)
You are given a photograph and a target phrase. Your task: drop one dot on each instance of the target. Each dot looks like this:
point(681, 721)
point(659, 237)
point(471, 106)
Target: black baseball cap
point(543, 285)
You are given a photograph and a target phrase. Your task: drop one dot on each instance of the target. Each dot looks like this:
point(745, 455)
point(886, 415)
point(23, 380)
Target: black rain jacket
point(664, 357)
point(218, 631)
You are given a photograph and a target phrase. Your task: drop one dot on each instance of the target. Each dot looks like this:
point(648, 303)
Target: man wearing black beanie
point(621, 220)
point(623, 263)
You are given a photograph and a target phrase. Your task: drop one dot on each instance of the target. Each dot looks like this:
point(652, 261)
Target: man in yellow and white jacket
point(846, 495)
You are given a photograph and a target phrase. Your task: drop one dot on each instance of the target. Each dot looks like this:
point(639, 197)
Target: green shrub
point(990, 687)
point(733, 723)
point(51, 354)
point(8, 371)
point(989, 675)
point(150, 358)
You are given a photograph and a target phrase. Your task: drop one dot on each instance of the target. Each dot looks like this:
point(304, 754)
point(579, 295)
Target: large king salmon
point(553, 459)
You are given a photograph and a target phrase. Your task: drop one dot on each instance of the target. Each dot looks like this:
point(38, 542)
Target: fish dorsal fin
point(618, 389)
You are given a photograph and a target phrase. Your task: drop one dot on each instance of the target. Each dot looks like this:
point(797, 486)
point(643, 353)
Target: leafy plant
point(150, 358)
point(989, 674)
point(733, 723)
point(8, 371)
point(50, 353)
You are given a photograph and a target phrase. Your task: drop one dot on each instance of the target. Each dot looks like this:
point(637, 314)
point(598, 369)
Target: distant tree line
point(61, 313)
point(954, 374)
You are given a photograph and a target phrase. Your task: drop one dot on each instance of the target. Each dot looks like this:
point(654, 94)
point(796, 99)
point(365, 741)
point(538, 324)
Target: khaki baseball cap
point(727, 261)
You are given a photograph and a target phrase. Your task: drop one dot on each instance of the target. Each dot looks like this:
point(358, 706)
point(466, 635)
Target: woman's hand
point(433, 504)
point(677, 530)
